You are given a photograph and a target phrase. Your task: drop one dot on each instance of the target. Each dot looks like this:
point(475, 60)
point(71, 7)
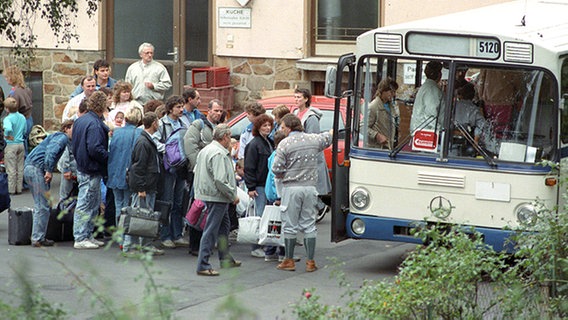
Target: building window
point(341, 20)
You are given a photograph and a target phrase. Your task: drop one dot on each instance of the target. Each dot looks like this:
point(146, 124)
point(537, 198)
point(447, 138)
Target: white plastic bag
point(243, 204)
point(270, 233)
point(248, 226)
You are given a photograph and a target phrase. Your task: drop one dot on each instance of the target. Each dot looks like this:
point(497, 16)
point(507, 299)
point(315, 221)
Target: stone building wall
point(61, 71)
point(251, 76)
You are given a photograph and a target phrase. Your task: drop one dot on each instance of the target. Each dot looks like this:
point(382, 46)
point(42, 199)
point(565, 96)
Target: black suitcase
point(54, 226)
point(62, 230)
point(20, 226)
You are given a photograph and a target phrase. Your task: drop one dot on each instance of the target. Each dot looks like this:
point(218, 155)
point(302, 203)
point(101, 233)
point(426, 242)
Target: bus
point(491, 174)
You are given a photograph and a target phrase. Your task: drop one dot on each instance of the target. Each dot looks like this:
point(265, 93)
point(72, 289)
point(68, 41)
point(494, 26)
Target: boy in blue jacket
point(38, 171)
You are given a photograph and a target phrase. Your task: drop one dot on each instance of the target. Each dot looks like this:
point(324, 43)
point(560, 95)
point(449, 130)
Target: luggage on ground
point(20, 226)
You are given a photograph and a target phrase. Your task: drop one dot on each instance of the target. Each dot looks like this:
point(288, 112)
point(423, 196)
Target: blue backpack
point(174, 154)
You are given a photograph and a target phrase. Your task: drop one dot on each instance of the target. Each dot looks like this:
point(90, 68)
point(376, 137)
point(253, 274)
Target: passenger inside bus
point(383, 116)
point(428, 110)
point(468, 120)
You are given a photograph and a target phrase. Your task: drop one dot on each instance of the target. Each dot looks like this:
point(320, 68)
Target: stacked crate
point(213, 83)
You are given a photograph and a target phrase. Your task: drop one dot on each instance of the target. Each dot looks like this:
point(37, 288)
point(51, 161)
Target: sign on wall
point(234, 17)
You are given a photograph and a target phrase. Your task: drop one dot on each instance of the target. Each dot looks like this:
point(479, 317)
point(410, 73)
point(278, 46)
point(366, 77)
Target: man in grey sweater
point(296, 163)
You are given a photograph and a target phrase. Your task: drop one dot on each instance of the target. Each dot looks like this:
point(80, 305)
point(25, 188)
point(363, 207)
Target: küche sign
point(234, 17)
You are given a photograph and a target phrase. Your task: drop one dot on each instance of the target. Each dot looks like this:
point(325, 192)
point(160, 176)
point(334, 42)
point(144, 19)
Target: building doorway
point(179, 30)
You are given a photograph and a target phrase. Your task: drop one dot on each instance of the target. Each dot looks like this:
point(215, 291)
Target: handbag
point(140, 222)
point(248, 226)
point(271, 227)
point(197, 215)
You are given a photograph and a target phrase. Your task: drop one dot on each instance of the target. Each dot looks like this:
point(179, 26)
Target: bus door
point(335, 77)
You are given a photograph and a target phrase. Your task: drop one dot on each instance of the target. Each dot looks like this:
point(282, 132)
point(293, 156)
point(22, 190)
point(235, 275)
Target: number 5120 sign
point(487, 49)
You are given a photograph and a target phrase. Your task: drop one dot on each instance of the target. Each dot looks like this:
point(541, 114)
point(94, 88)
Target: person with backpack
point(200, 134)
point(172, 184)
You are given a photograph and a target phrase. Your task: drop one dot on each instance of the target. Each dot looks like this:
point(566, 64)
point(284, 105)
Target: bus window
point(507, 113)
point(386, 103)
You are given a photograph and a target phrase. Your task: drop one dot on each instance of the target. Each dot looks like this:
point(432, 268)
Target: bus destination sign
point(453, 45)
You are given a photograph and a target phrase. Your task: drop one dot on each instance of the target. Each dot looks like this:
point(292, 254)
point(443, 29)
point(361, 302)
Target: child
point(273, 196)
point(119, 119)
point(240, 174)
point(14, 131)
point(271, 188)
point(234, 149)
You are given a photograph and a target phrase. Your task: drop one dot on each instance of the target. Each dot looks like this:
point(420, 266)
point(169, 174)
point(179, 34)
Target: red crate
point(210, 77)
point(225, 94)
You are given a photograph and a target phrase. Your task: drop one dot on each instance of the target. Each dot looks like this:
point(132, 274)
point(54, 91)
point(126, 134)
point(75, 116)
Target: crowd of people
point(110, 152)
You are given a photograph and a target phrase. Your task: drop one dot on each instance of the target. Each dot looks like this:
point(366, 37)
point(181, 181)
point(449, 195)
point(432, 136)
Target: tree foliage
point(18, 19)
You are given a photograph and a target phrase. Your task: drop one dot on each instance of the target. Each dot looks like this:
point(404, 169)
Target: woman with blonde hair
point(122, 100)
point(23, 96)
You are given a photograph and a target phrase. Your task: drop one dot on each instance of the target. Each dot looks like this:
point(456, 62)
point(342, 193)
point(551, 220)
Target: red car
point(324, 104)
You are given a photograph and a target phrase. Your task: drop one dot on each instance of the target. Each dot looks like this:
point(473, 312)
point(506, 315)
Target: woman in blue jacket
point(119, 155)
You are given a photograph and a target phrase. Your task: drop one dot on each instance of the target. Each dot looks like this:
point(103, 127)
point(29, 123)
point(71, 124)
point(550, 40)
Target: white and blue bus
point(485, 174)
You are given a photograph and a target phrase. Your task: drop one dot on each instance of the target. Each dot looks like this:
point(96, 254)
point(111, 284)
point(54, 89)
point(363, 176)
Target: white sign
point(409, 73)
point(234, 17)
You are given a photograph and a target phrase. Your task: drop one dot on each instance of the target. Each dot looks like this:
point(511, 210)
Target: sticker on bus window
point(425, 140)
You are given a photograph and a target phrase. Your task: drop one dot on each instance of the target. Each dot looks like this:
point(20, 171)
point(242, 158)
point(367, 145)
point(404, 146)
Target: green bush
point(456, 276)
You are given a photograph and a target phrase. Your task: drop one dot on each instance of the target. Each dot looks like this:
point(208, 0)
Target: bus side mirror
point(330, 77)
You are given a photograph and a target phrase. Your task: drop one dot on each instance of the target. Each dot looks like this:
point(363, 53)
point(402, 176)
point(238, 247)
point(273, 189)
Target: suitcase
point(20, 226)
point(54, 226)
point(59, 230)
point(62, 230)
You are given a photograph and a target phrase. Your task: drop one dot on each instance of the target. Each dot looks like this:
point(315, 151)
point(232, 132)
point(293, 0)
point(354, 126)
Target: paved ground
point(257, 286)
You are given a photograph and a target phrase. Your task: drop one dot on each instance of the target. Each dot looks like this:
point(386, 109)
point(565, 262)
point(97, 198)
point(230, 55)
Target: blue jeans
point(259, 203)
point(121, 200)
point(173, 192)
point(135, 200)
point(65, 188)
point(216, 231)
point(34, 179)
point(88, 204)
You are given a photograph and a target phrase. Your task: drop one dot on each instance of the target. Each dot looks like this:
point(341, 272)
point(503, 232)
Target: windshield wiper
point(474, 144)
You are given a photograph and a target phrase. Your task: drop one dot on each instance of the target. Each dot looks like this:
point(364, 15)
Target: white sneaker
point(168, 244)
point(97, 242)
point(257, 253)
point(85, 244)
point(153, 250)
point(181, 242)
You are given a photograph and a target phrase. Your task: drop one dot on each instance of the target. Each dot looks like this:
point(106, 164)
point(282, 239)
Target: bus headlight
point(360, 198)
point(358, 226)
point(526, 214)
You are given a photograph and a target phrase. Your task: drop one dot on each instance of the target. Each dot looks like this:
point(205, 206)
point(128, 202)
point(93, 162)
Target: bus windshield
point(457, 110)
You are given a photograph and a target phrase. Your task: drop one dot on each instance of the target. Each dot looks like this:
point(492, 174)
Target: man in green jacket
point(215, 184)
